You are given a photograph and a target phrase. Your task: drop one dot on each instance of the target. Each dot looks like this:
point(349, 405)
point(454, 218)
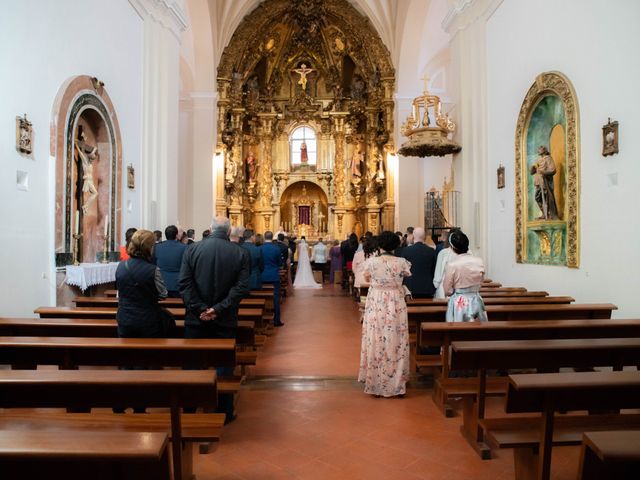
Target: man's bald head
point(418, 234)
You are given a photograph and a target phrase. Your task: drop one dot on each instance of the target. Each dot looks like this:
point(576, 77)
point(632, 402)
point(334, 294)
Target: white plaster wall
point(42, 43)
point(595, 44)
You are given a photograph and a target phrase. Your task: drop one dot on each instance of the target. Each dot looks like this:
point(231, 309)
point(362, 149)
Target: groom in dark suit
point(423, 265)
point(272, 261)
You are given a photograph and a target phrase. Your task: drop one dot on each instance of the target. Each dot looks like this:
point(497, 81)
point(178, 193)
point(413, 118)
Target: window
point(307, 136)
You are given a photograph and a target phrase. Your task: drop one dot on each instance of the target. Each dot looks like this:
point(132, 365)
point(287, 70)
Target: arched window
point(301, 137)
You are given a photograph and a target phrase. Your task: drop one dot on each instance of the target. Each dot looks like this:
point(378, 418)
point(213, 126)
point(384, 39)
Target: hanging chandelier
point(427, 129)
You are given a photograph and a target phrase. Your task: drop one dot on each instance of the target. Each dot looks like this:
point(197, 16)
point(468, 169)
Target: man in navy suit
point(167, 256)
point(423, 264)
point(272, 260)
point(255, 255)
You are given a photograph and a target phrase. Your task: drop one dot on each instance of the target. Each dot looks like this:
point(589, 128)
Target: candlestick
point(77, 229)
point(76, 238)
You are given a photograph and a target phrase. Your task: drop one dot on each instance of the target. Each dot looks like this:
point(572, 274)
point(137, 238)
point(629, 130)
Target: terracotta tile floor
point(303, 416)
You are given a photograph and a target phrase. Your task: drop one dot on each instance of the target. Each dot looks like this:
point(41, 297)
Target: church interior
point(320, 120)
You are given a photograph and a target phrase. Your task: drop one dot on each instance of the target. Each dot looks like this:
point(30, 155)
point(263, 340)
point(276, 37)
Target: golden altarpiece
point(305, 121)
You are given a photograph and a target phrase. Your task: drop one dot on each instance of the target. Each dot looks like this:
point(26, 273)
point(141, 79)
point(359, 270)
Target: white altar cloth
point(87, 274)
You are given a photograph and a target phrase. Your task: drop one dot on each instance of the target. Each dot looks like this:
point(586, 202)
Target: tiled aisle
point(305, 417)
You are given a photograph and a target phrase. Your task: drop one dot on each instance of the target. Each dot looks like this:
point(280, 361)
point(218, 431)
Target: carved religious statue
point(252, 167)
point(543, 171)
point(304, 157)
point(86, 155)
point(356, 163)
point(231, 171)
point(303, 71)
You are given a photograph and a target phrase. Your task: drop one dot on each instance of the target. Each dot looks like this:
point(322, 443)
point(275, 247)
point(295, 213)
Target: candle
point(106, 226)
point(77, 221)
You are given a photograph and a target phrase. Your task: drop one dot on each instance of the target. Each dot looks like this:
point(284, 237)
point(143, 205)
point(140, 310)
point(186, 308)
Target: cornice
point(169, 13)
point(465, 12)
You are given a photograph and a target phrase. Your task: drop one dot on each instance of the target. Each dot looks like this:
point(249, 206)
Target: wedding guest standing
point(384, 354)
point(335, 255)
point(463, 277)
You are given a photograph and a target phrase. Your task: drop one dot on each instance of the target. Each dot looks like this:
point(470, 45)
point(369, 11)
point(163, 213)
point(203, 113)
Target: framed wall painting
point(610, 138)
point(548, 174)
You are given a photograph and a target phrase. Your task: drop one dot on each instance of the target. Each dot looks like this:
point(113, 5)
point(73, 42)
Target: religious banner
point(547, 174)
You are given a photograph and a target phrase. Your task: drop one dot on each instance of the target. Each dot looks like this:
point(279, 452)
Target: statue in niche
point(236, 82)
point(303, 71)
point(252, 166)
point(375, 79)
point(231, 170)
point(357, 88)
point(356, 162)
point(253, 89)
point(86, 156)
point(543, 171)
point(304, 157)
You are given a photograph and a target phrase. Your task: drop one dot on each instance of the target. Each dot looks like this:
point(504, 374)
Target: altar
point(87, 275)
point(303, 210)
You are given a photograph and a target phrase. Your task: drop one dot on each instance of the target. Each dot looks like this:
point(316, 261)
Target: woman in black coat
point(140, 287)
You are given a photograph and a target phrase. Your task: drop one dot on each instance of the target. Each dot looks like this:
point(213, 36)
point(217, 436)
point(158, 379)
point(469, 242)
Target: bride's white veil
point(304, 275)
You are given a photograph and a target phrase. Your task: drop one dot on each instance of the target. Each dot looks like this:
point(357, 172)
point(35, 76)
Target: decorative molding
point(465, 12)
point(166, 12)
point(554, 83)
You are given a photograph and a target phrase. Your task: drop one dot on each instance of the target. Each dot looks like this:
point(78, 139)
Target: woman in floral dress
point(384, 356)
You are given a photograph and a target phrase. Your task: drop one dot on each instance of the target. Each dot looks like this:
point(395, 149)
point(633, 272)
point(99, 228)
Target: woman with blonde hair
point(140, 287)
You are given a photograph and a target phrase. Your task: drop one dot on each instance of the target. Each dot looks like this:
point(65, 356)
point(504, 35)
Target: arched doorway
point(304, 209)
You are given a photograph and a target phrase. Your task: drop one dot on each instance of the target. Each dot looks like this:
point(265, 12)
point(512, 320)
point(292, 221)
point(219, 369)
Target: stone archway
point(83, 115)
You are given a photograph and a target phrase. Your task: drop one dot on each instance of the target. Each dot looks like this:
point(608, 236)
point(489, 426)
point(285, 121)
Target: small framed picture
point(610, 138)
point(24, 135)
point(501, 176)
point(131, 177)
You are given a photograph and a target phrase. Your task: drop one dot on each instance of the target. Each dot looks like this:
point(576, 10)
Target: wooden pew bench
point(74, 455)
point(443, 333)
point(610, 454)
point(546, 355)
point(548, 393)
point(173, 389)
point(248, 318)
point(420, 314)
point(490, 300)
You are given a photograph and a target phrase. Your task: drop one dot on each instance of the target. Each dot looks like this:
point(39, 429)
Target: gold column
point(339, 176)
point(235, 208)
point(373, 156)
point(265, 180)
point(221, 149)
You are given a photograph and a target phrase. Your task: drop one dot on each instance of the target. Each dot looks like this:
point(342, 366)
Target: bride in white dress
point(304, 275)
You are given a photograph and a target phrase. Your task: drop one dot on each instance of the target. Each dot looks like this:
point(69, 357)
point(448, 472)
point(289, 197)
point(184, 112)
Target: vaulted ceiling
point(387, 17)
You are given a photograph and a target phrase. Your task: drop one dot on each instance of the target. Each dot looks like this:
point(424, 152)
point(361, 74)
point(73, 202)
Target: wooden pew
point(547, 393)
point(70, 352)
point(98, 328)
point(174, 389)
point(491, 285)
point(73, 455)
point(528, 300)
point(549, 355)
point(112, 302)
point(248, 318)
point(443, 333)
point(500, 293)
point(611, 454)
point(420, 314)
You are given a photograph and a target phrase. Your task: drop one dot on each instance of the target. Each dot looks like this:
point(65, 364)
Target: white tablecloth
point(87, 274)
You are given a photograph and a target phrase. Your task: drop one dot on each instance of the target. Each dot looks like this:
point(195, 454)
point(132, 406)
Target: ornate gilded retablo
point(428, 129)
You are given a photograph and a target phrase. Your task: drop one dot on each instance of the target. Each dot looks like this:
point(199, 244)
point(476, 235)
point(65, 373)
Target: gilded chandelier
point(424, 138)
